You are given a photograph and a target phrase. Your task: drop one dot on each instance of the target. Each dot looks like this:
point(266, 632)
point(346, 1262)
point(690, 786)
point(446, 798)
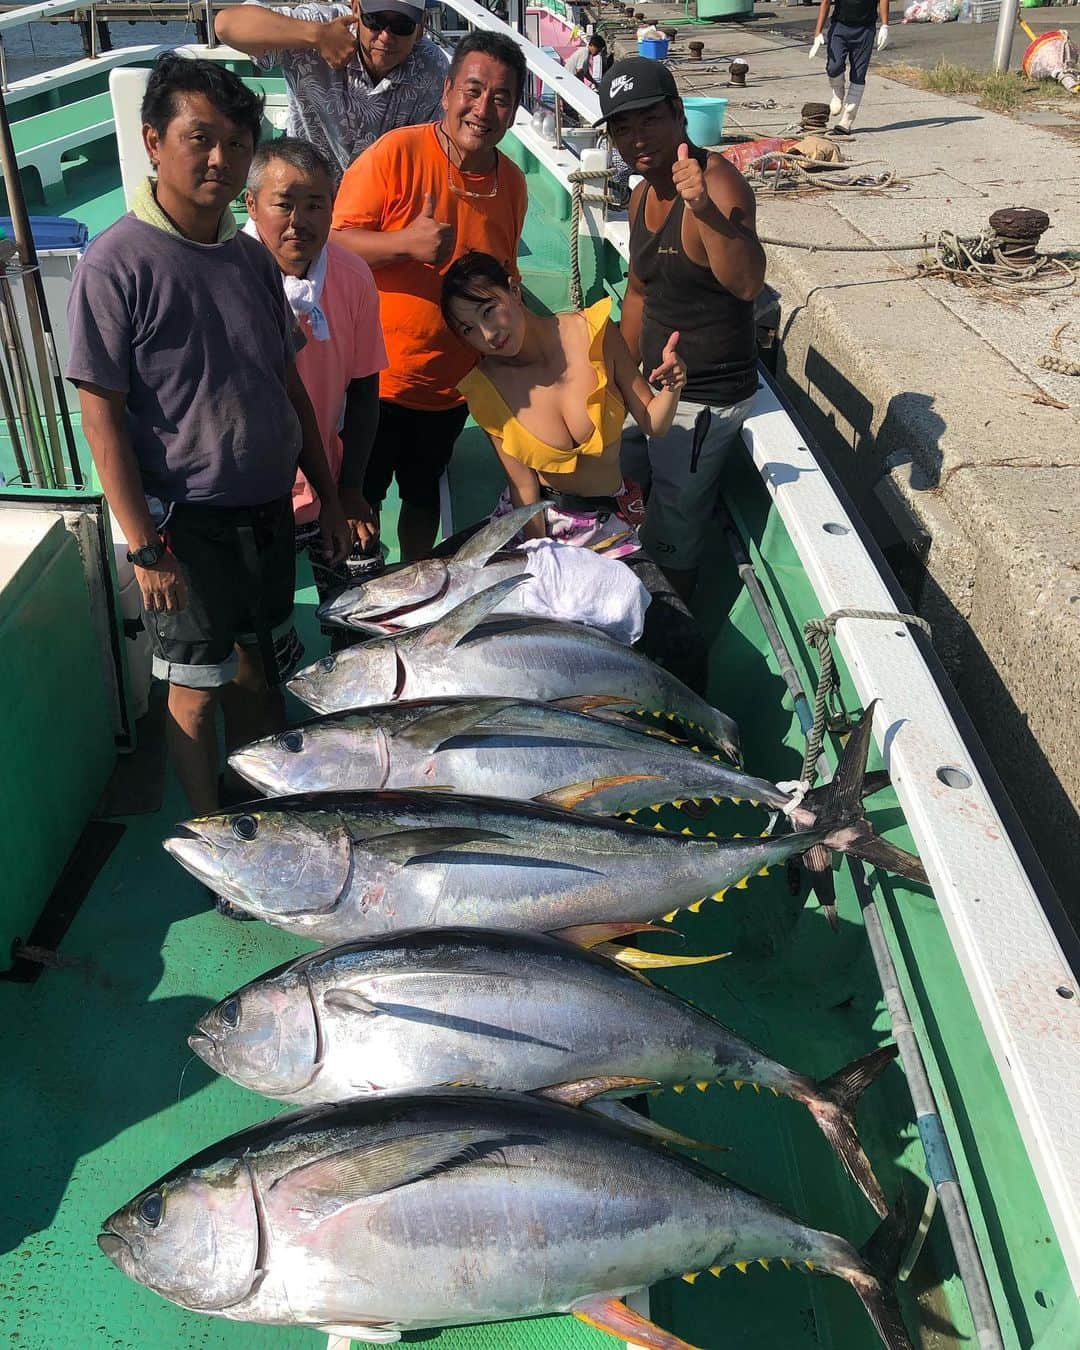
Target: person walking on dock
point(333, 296)
point(695, 267)
point(182, 350)
point(417, 200)
point(850, 41)
point(354, 70)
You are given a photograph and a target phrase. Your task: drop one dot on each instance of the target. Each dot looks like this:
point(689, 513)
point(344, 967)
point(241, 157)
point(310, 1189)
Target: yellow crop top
point(605, 407)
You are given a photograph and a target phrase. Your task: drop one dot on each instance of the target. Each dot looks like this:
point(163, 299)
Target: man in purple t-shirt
point(182, 350)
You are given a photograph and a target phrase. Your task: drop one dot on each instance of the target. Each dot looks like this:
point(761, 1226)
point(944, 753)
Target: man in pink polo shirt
point(333, 295)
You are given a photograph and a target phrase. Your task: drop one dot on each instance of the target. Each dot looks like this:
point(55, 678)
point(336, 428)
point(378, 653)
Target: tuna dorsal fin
point(453, 719)
point(608, 1313)
point(592, 934)
point(582, 1090)
point(589, 703)
point(321, 1188)
point(405, 846)
point(575, 793)
point(454, 627)
point(479, 547)
point(643, 1125)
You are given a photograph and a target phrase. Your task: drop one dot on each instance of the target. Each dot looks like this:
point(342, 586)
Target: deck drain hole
point(1041, 1299)
point(834, 527)
point(1065, 991)
point(954, 778)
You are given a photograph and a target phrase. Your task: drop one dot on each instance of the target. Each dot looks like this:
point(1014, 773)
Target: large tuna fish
point(516, 658)
point(337, 866)
point(496, 1010)
point(601, 763)
point(423, 591)
point(379, 1217)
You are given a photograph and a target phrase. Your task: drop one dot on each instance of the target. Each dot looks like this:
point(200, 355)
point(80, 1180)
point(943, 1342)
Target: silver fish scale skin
point(499, 1010)
point(553, 1210)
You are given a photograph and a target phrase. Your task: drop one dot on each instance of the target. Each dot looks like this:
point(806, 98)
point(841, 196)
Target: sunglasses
point(398, 24)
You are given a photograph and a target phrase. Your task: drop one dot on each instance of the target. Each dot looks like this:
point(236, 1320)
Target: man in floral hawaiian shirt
point(354, 70)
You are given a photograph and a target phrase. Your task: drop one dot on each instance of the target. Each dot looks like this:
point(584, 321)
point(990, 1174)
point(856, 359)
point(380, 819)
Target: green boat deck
point(100, 1096)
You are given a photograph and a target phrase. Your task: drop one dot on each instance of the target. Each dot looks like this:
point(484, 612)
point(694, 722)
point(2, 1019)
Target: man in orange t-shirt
point(410, 205)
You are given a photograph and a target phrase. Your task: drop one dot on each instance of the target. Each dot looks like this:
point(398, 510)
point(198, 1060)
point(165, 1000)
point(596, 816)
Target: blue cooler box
point(655, 48)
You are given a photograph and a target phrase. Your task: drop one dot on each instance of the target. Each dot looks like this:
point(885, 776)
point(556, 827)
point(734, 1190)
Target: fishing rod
point(22, 382)
point(41, 331)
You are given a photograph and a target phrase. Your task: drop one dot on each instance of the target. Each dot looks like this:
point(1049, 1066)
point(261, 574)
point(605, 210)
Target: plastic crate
point(655, 49)
point(984, 11)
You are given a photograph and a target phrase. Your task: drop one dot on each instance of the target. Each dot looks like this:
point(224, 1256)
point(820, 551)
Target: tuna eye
point(245, 827)
point(293, 741)
point(327, 663)
point(151, 1209)
point(230, 1012)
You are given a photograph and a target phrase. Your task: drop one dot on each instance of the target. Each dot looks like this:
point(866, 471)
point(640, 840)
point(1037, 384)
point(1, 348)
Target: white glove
point(817, 45)
point(882, 40)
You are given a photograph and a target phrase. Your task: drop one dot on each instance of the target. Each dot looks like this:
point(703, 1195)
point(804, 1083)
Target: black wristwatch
point(149, 555)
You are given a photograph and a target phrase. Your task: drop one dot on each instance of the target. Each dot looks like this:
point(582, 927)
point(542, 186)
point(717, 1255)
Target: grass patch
point(1002, 93)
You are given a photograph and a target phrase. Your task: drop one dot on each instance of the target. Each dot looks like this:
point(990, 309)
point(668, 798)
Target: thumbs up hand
point(670, 373)
point(428, 240)
point(689, 179)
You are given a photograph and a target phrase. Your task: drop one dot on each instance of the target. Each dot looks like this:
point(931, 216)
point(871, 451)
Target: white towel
point(304, 293)
point(577, 585)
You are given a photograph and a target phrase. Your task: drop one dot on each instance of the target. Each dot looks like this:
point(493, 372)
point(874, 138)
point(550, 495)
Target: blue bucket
point(654, 48)
point(705, 119)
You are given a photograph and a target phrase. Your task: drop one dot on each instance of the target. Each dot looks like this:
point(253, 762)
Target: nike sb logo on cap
point(620, 84)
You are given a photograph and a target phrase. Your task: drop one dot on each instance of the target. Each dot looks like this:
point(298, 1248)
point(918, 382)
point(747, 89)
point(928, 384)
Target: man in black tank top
point(695, 267)
point(850, 42)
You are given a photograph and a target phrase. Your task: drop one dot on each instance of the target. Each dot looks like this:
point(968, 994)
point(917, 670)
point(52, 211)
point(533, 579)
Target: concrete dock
point(928, 396)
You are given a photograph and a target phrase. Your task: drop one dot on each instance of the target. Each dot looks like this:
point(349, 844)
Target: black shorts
point(240, 568)
point(414, 447)
point(851, 46)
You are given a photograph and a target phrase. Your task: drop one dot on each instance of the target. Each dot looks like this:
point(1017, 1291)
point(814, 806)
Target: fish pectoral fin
point(582, 1090)
point(592, 934)
point(376, 1335)
point(322, 1188)
point(432, 730)
point(405, 846)
point(610, 1314)
point(575, 793)
point(616, 1111)
point(634, 958)
point(496, 534)
point(456, 626)
point(348, 1000)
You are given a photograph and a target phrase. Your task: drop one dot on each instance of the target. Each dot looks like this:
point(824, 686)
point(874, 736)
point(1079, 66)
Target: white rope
point(797, 788)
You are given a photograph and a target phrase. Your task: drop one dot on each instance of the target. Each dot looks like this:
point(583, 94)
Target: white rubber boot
point(851, 107)
point(836, 103)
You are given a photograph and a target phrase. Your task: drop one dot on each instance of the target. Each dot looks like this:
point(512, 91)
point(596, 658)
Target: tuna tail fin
point(874, 1277)
point(834, 1110)
point(880, 1302)
point(839, 810)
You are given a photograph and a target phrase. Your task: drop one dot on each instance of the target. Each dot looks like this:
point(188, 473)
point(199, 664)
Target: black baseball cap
point(636, 82)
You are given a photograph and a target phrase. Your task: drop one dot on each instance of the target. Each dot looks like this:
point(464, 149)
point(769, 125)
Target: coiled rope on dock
point(986, 258)
point(781, 171)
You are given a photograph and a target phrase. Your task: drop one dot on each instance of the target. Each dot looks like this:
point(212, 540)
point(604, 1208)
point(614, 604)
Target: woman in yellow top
point(552, 393)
